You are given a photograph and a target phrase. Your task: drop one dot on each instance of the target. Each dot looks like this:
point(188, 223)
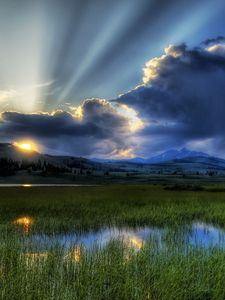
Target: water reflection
point(3, 185)
point(25, 223)
point(133, 238)
point(135, 242)
point(207, 235)
point(195, 235)
point(75, 254)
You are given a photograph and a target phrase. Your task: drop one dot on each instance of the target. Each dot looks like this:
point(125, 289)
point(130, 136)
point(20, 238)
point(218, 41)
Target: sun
point(25, 146)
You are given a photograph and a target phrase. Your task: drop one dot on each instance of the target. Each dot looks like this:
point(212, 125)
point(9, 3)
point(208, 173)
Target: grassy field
point(82, 208)
point(177, 271)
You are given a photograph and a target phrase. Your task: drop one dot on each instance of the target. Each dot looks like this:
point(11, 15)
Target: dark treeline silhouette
point(8, 167)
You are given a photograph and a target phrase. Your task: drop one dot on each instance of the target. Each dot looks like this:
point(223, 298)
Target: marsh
point(112, 242)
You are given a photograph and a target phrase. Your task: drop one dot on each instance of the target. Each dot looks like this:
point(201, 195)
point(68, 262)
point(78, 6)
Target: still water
point(29, 185)
point(196, 235)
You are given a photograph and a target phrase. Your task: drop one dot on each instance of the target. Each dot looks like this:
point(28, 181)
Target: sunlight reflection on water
point(31, 185)
point(134, 238)
point(197, 234)
point(25, 222)
point(27, 185)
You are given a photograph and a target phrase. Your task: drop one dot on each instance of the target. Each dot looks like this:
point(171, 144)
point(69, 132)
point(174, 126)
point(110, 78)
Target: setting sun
point(25, 146)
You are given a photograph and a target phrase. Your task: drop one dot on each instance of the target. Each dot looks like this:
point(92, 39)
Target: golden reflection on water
point(76, 254)
point(25, 222)
point(135, 242)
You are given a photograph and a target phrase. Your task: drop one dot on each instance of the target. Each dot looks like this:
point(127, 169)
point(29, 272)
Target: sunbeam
point(113, 27)
point(22, 51)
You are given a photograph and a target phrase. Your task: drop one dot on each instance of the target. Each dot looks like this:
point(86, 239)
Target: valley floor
point(23, 177)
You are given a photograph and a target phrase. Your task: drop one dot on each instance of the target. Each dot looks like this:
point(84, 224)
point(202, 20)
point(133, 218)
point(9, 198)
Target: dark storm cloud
point(95, 127)
point(183, 97)
point(213, 41)
point(45, 125)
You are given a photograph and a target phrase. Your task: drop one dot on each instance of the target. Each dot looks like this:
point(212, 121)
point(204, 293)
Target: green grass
point(82, 208)
point(113, 273)
point(177, 271)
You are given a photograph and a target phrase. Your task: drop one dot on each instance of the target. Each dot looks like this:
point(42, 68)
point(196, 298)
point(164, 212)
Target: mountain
point(170, 155)
point(201, 164)
point(183, 161)
point(25, 164)
point(165, 156)
point(198, 163)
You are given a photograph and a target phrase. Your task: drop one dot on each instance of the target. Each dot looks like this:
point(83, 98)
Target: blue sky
point(55, 54)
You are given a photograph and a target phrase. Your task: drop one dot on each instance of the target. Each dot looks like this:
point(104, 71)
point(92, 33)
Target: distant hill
point(182, 161)
point(173, 161)
point(202, 164)
point(11, 152)
point(169, 155)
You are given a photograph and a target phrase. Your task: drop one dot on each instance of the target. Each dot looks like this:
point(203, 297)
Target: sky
point(113, 79)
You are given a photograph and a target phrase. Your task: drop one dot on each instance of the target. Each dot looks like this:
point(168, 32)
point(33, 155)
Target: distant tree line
point(10, 167)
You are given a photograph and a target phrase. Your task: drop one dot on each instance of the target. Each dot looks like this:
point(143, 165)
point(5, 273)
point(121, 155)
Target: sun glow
point(125, 153)
point(131, 114)
point(27, 146)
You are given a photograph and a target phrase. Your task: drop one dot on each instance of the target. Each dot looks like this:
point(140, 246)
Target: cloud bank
point(182, 98)
point(94, 128)
point(181, 102)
